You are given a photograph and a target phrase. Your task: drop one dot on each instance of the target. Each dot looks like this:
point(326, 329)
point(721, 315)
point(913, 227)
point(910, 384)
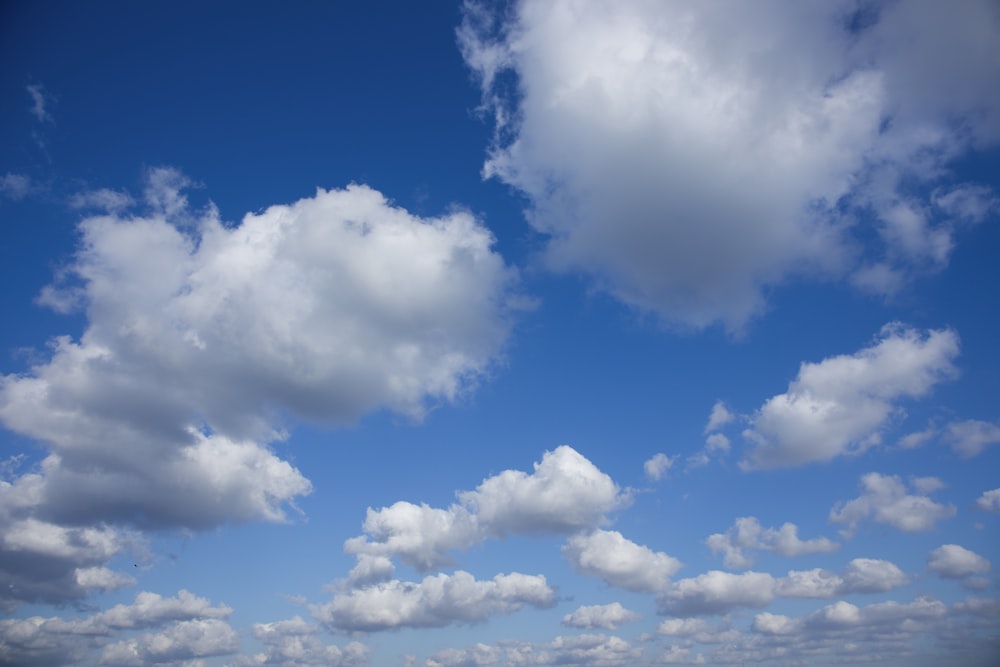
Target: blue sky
point(532, 333)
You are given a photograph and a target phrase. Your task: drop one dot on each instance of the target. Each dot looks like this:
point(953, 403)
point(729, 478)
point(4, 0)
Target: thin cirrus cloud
point(837, 406)
point(201, 337)
point(638, 136)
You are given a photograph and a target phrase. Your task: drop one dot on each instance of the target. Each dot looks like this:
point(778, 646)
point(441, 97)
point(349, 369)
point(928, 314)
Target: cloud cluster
point(837, 406)
point(566, 493)
point(585, 650)
point(862, 575)
point(747, 533)
point(202, 338)
point(885, 500)
point(436, 601)
point(638, 133)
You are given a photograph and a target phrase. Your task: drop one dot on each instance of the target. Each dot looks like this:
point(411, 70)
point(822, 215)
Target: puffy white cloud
point(862, 575)
point(202, 337)
point(294, 643)
point(697, 629)
point(620, 562)
point(436, 601)
point(719, 417)
point(970, 437)
point(990, 501)
point(181, 641)
point(658, 465)
point(637, 131)
point(837, 406)
point(603, 616)
point(885, 500)
point(717, 592)
point(564, 494)
point(843, 616)
point(101, 578)
point(955, 562)
point(747, 533)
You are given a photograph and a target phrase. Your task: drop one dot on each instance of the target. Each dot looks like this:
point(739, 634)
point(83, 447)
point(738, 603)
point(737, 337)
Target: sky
point(541, 332)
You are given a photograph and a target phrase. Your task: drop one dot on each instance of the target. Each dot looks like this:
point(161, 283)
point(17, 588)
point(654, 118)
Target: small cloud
point(15, 186)
point(719, 417)
point(885, 500)
point(952, 561)
point(40, 103)
point(658, 466)
point(605, 616)
point(989, 501)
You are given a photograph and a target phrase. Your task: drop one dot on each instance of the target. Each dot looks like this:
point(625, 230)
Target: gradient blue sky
point(531, 333)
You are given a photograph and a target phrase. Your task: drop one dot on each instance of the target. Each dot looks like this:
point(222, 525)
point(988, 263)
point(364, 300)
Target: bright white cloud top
point(496, 334)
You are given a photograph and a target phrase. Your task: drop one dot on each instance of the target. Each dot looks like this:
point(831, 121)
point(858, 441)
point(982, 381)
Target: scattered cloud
point(884, 499)
point(658, 466)
point(862, 575)
point(989, 501)
point(747, 533)
point(837, 407)
point(40, 103)
point(717, 592)
point(565, 493)
point(719, 417)
point(585, 650)
point(602, 616)
point(624, 122)
point(970, 437)
point(436, 601)
point(104, 199)
point(620, 562)
point(952, 561)
point(15, 186)
point(294, 643)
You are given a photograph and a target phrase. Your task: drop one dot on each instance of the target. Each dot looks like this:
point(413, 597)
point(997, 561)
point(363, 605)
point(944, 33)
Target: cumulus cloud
point(719, 417)
point(564, 494)
point(603, 616)
point(862, 575)
point(658, 466)
point(620, 562)
point(844, 616)
point(637, 131)
point(989, 501)
point(970, 437)
point(436, 601)
point(584, 650)
point(747, 533)
point(884, 499)
point(697, 629)
point(956, 562)
point(717, 592)
point(181, 641)
point(203, 337)
point(837, 407)
point(294, 643)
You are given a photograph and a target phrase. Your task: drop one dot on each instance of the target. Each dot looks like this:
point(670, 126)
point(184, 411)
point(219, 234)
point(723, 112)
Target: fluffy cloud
point(294, 643)
point(837, 406)
point(201, 337)
point(583, 650)
point(955, 562)
point(637, 131)
point(620, 562)
point(697, 629)
point(990, 501)
point(436, 601)
point(717, 592)
point(658, 465)
point(188, 627)
point(604, 616)
point(862, 575)
point(564, 494)
point(969, 438)
point(719, 417)
point(844, 616)
point(885, 500)
point(747, 533)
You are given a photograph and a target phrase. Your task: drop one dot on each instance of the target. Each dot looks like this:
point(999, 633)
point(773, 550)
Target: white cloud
point(719, 417)
point(15, 186)
point(970, 437)
point(697, 629)
point(747, 533)
point(717, 592)
point(564, 494)
point(202, 338)
point(838, 406)
point(862, 575)
point(101, 578)
point(604, 616)
point(955, 562)
point(637, 131)
point(39, 103)
point(843, 616)
point(436, 601)
point(181, 641)
point(658, 465)
point(583, 650)
point(990, 501)
point(884, 499)
point(927, 484)
point(620, 562)
point(294, 643)
point(104, 199)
